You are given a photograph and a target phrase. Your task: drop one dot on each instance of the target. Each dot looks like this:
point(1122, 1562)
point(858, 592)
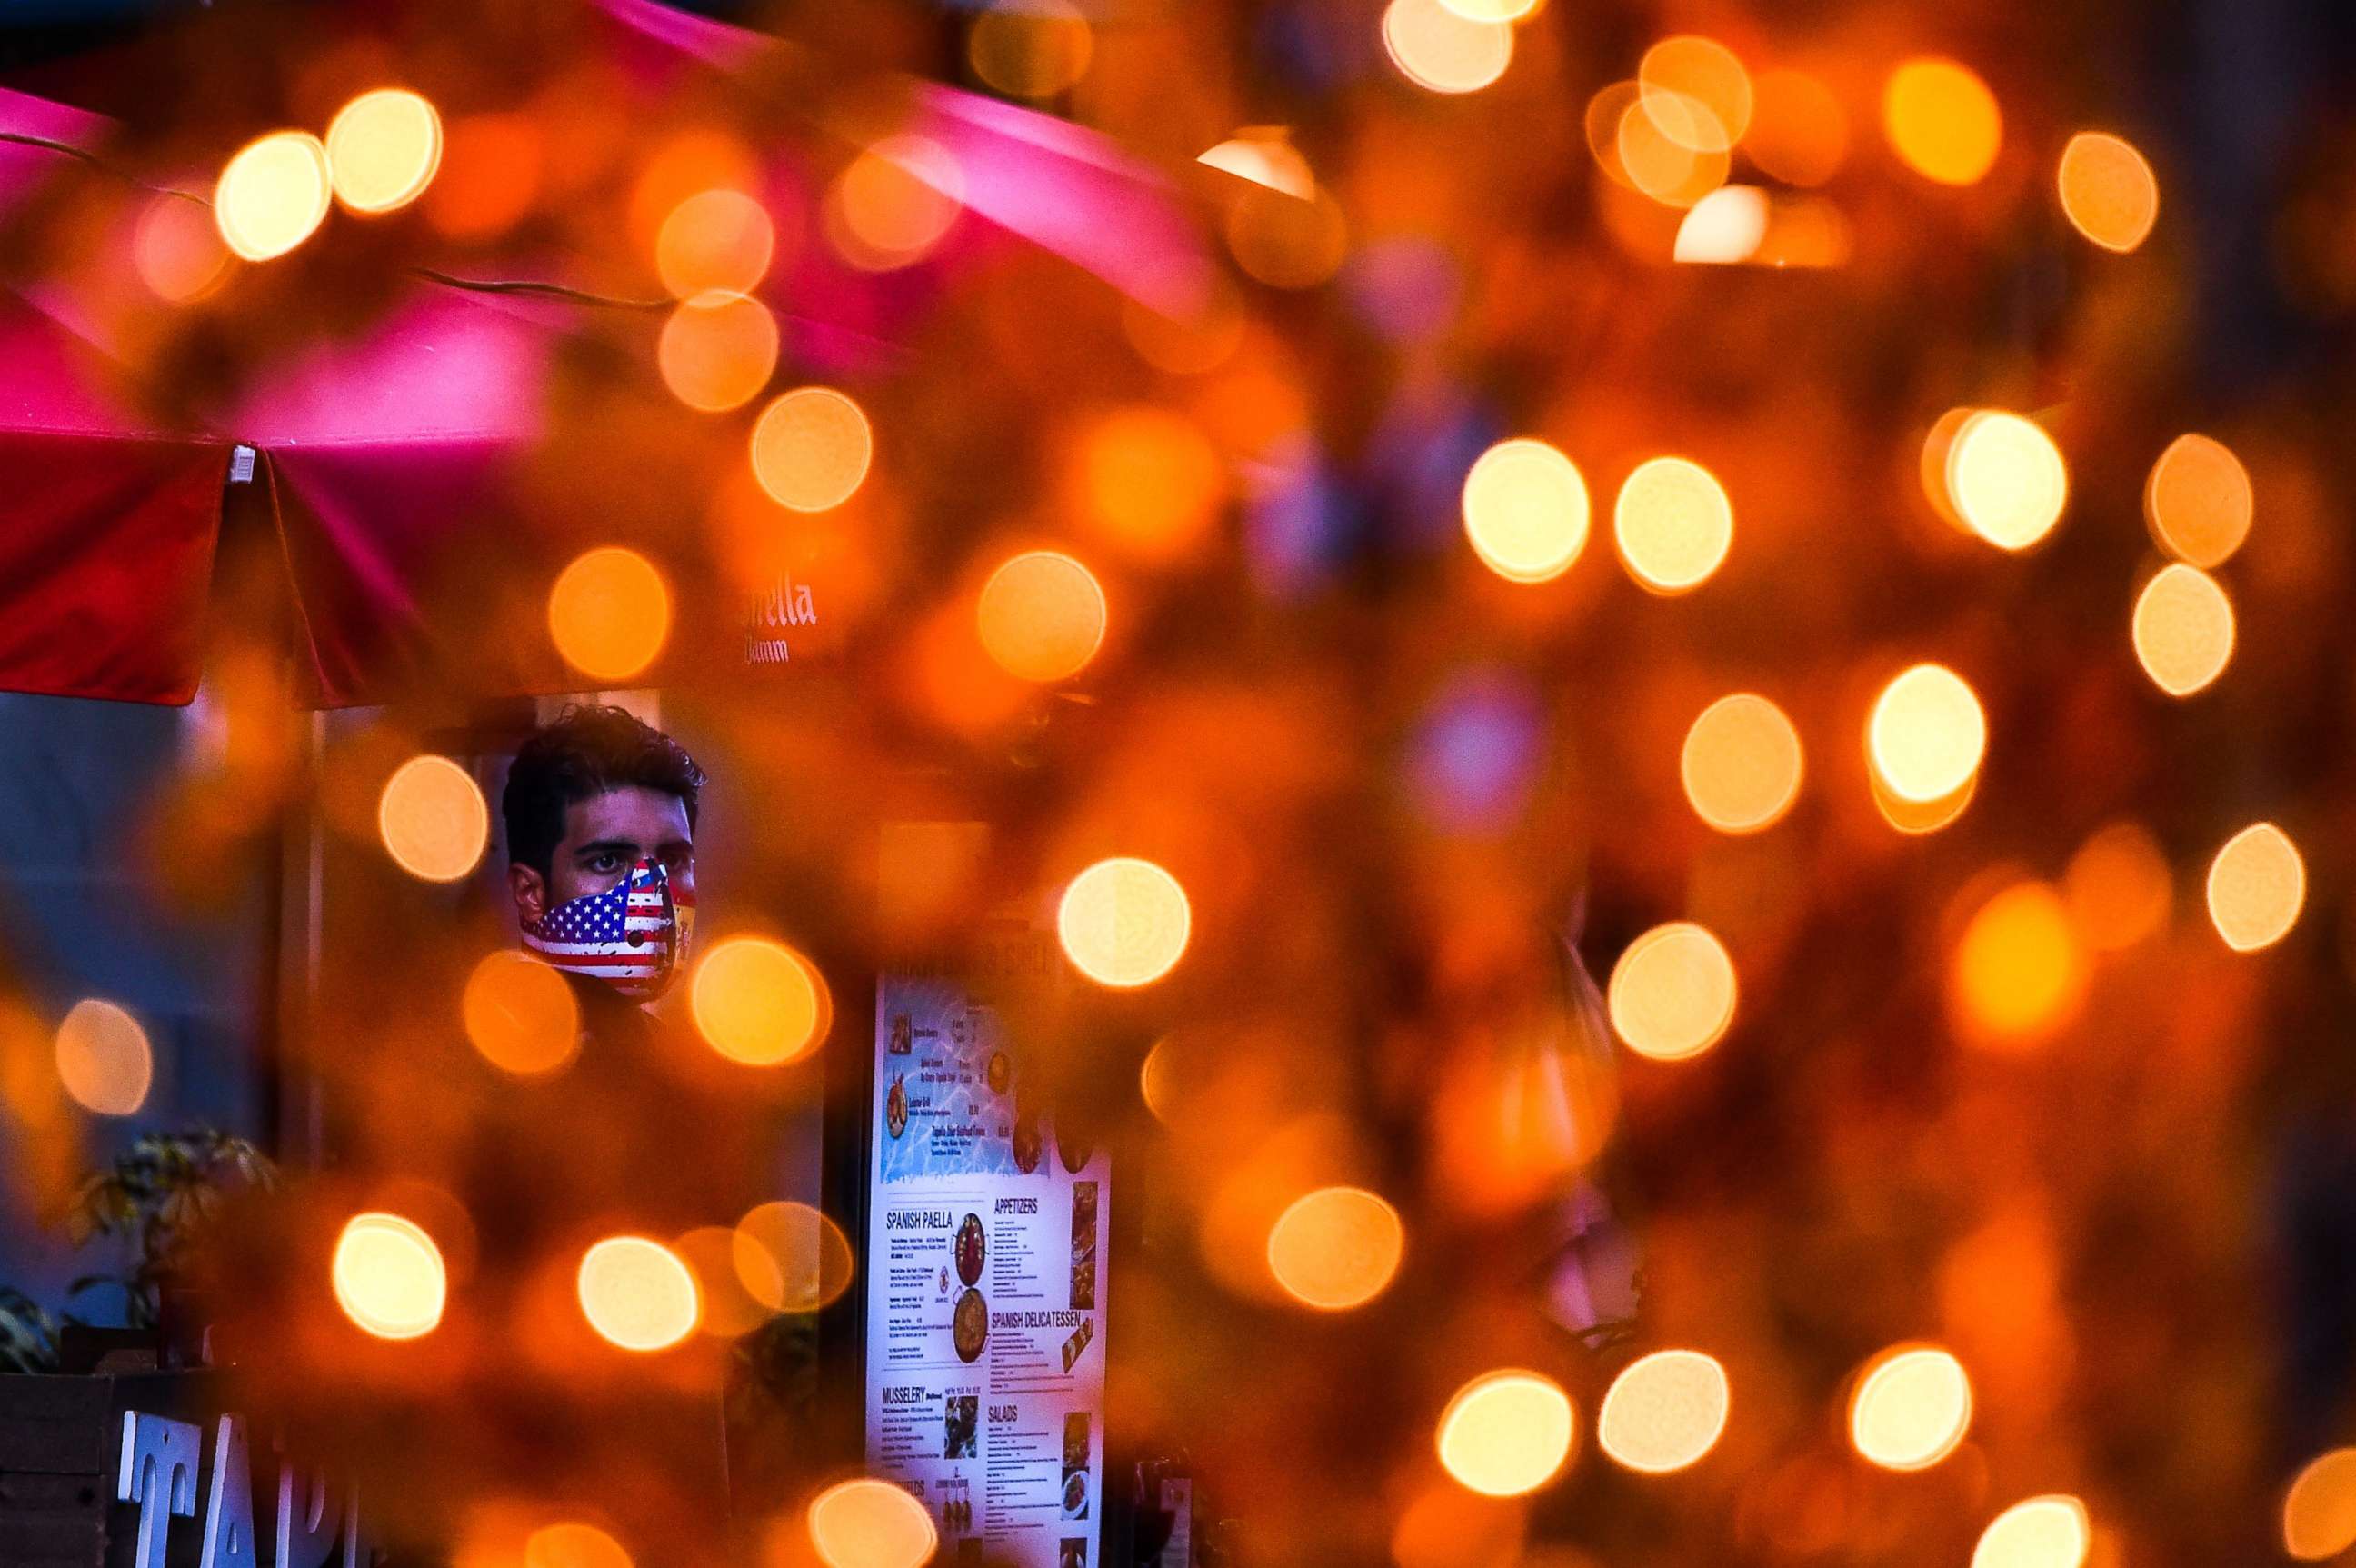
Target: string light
point(1526, 510)
point(2042, 1533)
point(1124, 922)
point(274, 195)
point(383, 149)
point(1941, 120)
point(1507, 1433)
point(432, 819)
point(1672, 994)
point(637, 1293)
point(388, 1276)
point(1911, 1408)
point(2257, 885)
point(1663, 1413)
point(1742, 764)
point(1336, 1247)
point(2108, 191)
point(2183, 629)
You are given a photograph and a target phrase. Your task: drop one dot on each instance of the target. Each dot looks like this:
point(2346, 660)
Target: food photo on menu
point(1084, 1246)
point(962, 1426)
point(1075, 1464)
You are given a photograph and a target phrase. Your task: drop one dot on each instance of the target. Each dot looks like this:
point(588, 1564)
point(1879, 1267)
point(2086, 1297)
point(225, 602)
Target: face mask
point(633, 935)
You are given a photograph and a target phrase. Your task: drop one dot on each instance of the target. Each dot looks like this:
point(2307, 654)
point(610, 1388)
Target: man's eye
point(606, 863)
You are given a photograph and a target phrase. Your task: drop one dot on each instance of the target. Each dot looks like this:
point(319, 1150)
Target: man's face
point(604, 837)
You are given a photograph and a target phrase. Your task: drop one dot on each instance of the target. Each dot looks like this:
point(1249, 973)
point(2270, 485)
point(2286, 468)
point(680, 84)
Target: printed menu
point(985, 1288)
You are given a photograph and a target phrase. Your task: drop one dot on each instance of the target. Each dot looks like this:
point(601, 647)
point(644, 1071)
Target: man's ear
point(531, 890)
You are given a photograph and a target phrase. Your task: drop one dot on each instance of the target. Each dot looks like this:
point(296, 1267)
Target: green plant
point(28, 1334)
point(157, 1194)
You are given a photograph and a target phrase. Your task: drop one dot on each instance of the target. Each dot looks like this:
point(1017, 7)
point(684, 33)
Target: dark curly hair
point(583, 753)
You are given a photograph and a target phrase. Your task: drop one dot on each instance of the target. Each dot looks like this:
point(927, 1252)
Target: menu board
point(985, 1288)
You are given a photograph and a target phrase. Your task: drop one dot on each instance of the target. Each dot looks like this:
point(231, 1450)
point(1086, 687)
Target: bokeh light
point(717, 351)
point(1507, 1433)
point(2198, 500)
point(1697, 92)
point(1673, 524)
point(1286, 243)
point(1920, 817)
point(1663, 1412)
point(812, 448)
point(1941, 120)
point(570, 1543)
point(2006, 479)
point(383, 149)
point(1336, 1247)
point(1041, 617)
point(637, 1293)
point(1911, 1408)
point(2318, 1510)
point(103, 1058)
point(867, 1523)
point(1030, 48)
point(1267, 159)
point(1443, 50)
point(2019, 972)
point(2042, 1533)
point(714, 242)
point(895, 203)
point(1526, 510)
point(2183, 629)
point(388, 1276)
point(178, 248)
point(1492, 10)
point(432, 819)
point(1672, 995)
point(1724, 228)
point(2118, 887)
point(2257, 885)
point(274, 195)
point(758, 1002)
point(609, 613)
point(1673, 170)
point(1926, 735)
point(789, 1257)
point(729, 1308)
point(2108, 192)
point(1798, 131)
point(1148, 482)
point(521, 1013)
point(1123, 922)
point(1742, 764)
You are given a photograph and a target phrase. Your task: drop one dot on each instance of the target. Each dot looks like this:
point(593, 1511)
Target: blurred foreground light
point(1336, 1247)
point(1938, 446)
point(716, 241)
point(2019, 972)
point(1921, 817)
point(812, 448)
point(274, 195)
point(103, 1059)
point(1679, 74)
point(866, 1523)
point(1148, 481)
point(178, 248)
point(1798, 133)
point(1672, 995)
point(1123, 922)
point(1723, 228)
point(717, 351)
point(2044, 1532)
point(569, 1543)
point(609, 613)
point(1041, 617)
point(2107, 191)
point(729, 1309)
point(432, 819)
point(1663, 1412)
point(1912, 1407)
point(636, 1294)
point(1742, 764)
point(2006, 479)
point(2318, 1511)
point(790, 1257)
point(383, 149)
point(521, 1013)
point(1673, 524)
point(1187, 346)
point(1030, 48)
point(759, 1001)
point(2118, 887)
point(1491, 10)
point(895, 203)
point(1507, 1433)
point(1926, 735)
point(1444, 49)
point(1941, 120)
point(2198, 500)
point(2257, 885)
point(2183, 629)
point(1265, 158)
point(1526, 510)
point(1675, 170)
point(388, 1276)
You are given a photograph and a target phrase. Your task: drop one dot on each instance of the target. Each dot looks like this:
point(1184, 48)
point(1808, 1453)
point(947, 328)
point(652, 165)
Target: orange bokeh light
point(1941, 120)
point(521, 1013)
point(103, 1059)
point(758, 1002)
point(637, 1293)
point(1041, 617)
point(2108, 191)
point(1336, 1247)
point(2198, 500)
point(432, 819)
point(812, 448)
point(609, 613)
point(2019, 972)
point(718, 351)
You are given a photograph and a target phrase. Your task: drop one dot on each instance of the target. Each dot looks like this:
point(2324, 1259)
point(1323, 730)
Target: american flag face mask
point(633, 935)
